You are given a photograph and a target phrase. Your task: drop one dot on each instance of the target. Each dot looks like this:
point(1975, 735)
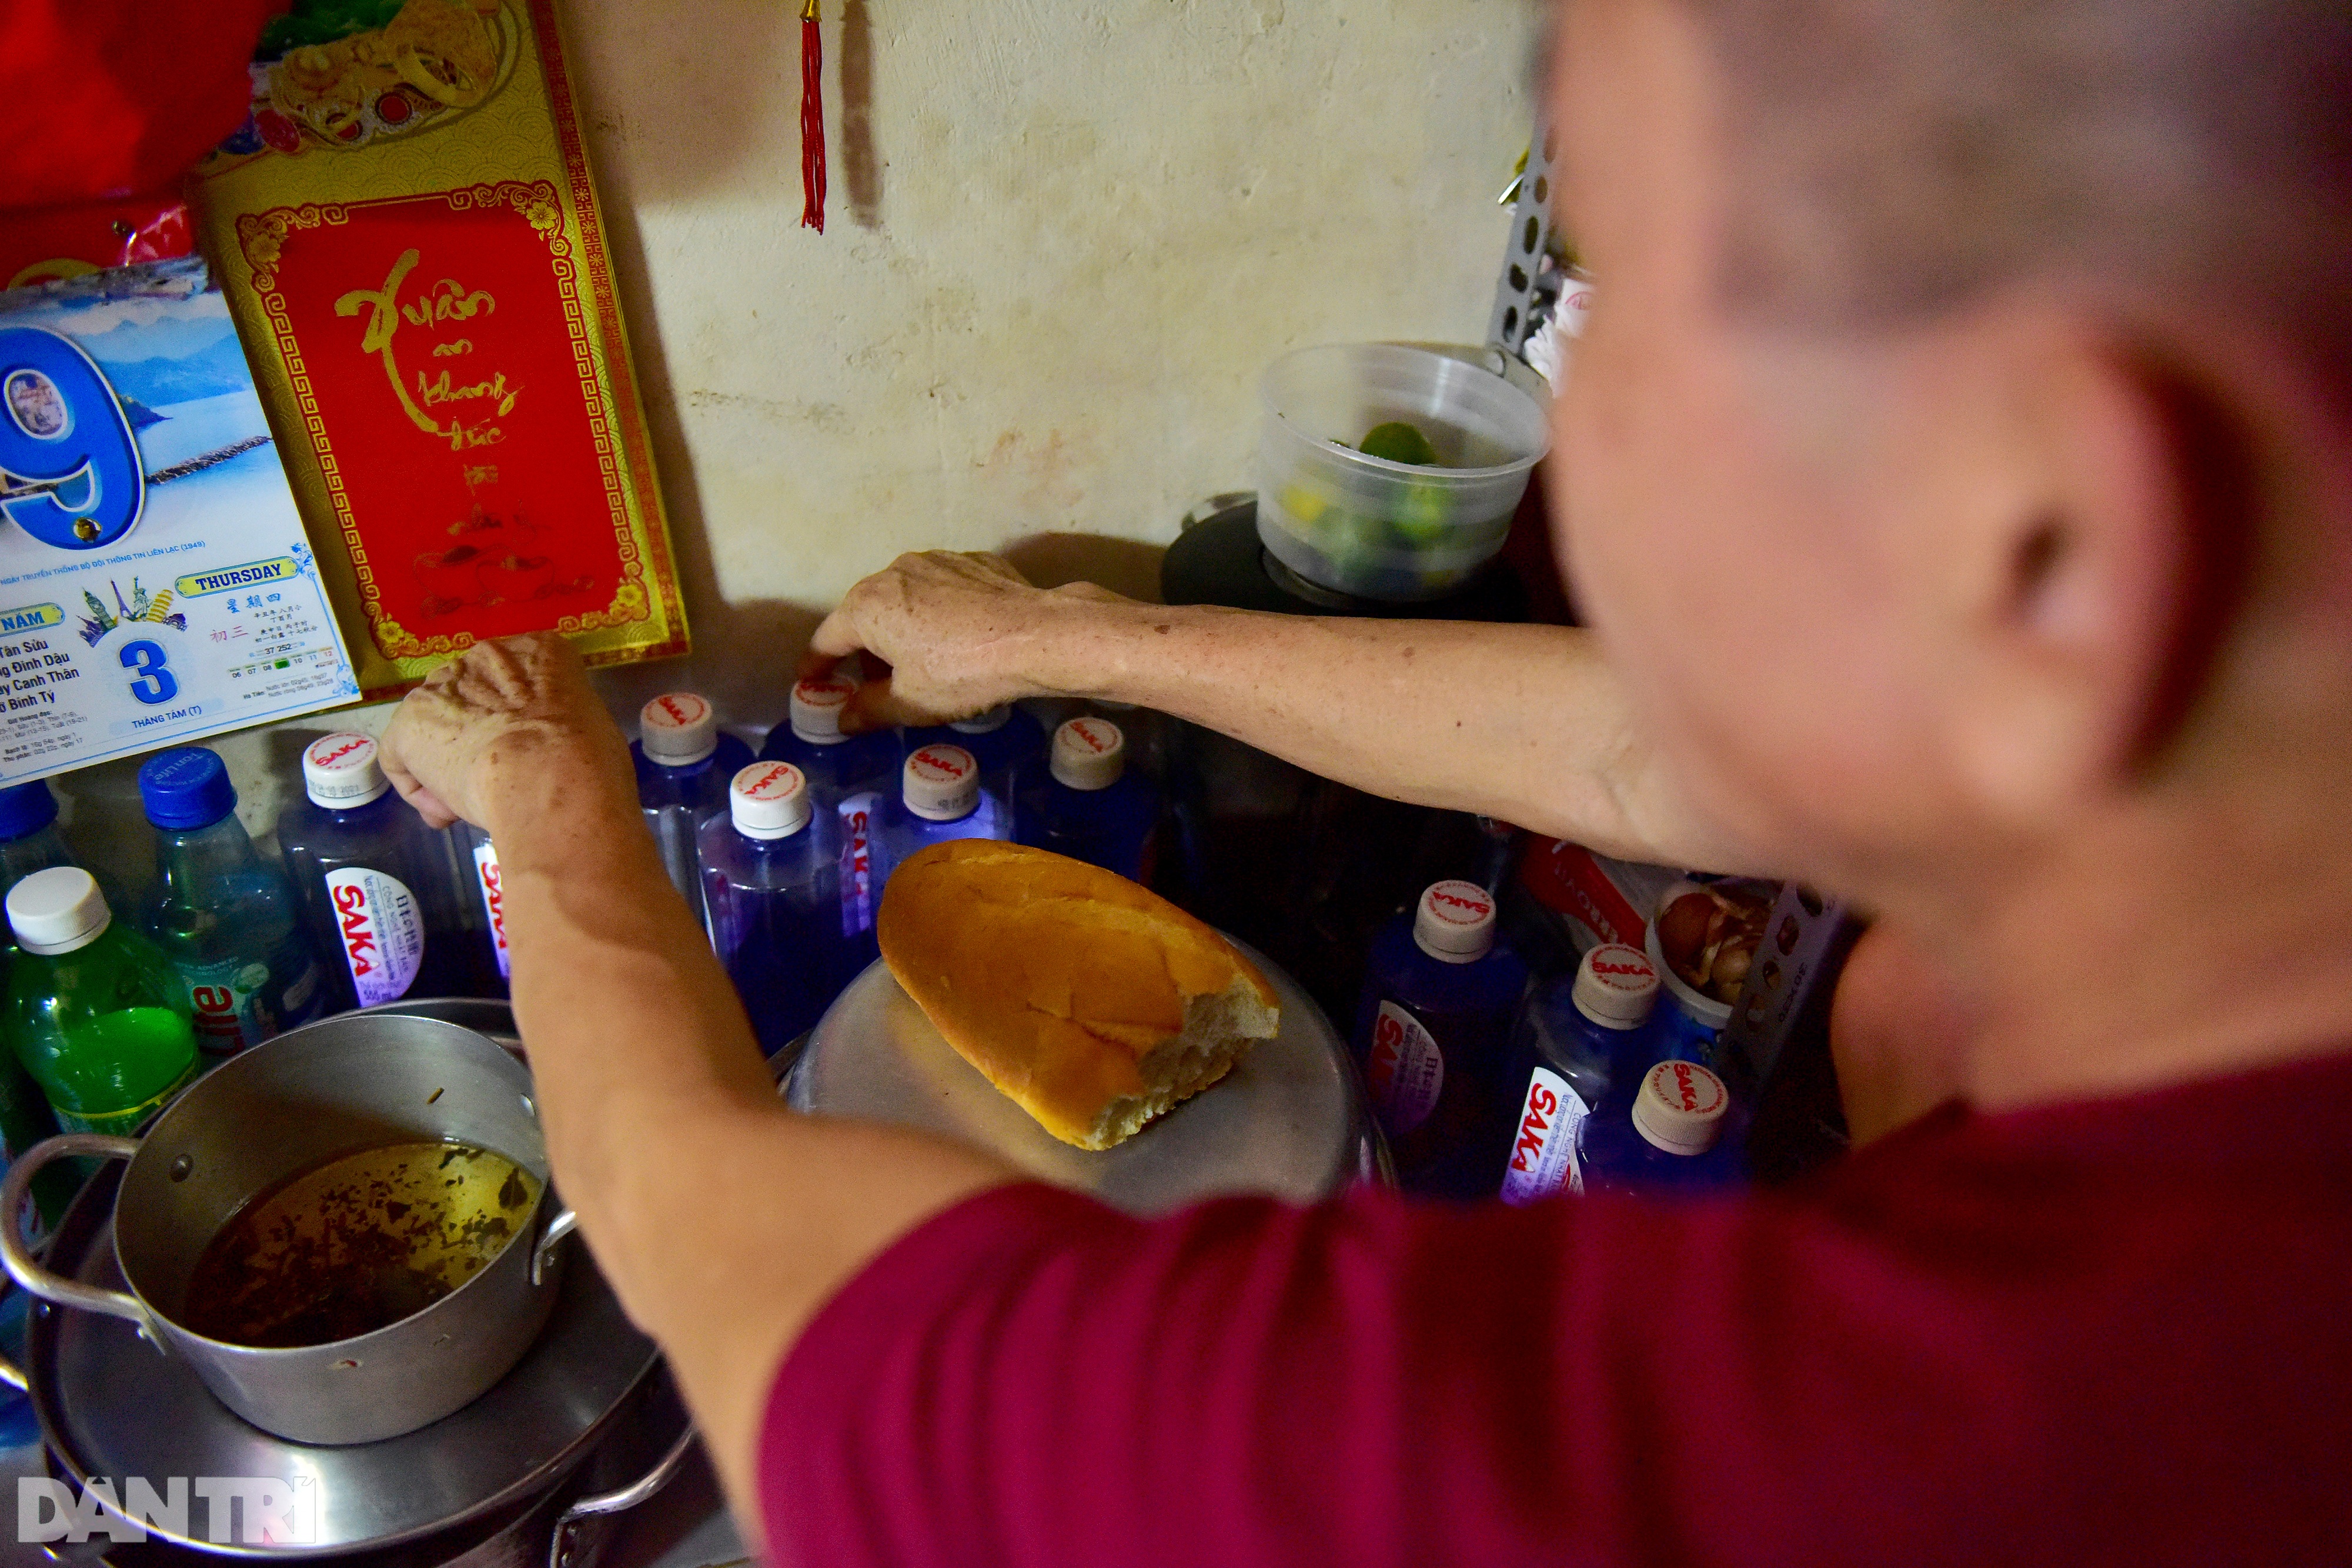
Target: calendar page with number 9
point(155, 582)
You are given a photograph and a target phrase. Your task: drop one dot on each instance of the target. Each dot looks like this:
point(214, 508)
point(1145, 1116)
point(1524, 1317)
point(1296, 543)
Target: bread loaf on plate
point(1093, 1003)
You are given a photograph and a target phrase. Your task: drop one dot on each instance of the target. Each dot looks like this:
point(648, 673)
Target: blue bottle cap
point(186, 787)
point(26, 808)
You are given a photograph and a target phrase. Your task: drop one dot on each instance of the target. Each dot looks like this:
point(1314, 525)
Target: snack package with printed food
point(409, 238)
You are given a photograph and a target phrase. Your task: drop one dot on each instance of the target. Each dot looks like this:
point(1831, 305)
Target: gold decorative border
point(262, 235)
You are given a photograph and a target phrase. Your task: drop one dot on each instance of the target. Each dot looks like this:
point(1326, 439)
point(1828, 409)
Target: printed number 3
point(152, 682)
point(64, 439)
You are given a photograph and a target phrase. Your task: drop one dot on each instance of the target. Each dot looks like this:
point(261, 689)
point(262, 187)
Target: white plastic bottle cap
point(815, 709)
point(57, 910)
point(1615, 986)
point(1088, 754)
point(994, 718)
point(677, 728)
point(769, 800)
point(1680, 1108)
point(1455, 922)
point(340, 771)
point(940, 783)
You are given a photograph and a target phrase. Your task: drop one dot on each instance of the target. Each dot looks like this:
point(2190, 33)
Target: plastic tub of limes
point(1390, 472)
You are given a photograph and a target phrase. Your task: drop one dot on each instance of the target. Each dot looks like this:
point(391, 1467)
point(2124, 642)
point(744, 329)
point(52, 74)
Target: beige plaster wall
point(1065, 236)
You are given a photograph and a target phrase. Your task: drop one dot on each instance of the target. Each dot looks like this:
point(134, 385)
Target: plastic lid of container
point(26, 809)
point(940, 783)
point(677, 728)
point(994, 718)
point(1455, 922)
point(1088, 754)
point(57, 910)
point(1616, 985)
point(1680, 1108)
point(340, 771)
point(769, 800)
point(186, 787)
point(814, 712)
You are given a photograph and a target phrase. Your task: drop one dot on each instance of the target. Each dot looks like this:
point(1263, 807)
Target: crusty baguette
point(1093, 1003)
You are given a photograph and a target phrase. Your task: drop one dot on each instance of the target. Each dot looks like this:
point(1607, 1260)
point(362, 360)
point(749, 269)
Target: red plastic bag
point(110, 98)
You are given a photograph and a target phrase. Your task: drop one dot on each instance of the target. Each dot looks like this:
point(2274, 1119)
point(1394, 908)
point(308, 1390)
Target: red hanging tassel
point(812, 119)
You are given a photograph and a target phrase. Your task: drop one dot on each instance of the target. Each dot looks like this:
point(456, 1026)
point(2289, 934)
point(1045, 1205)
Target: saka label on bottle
point(382, 929)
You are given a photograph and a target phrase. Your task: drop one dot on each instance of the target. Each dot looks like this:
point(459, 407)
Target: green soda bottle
point(94, 1013)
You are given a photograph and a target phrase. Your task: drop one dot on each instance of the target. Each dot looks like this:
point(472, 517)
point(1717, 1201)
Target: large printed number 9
point(69, 471)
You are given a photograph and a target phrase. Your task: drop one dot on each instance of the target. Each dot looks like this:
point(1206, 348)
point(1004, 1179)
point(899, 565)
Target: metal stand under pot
point(585, 1426)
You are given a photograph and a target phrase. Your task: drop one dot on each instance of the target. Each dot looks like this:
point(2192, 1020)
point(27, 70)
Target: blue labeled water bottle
point(225, 918)
point(939, 797)
point(772, 881)
point(1089, 805)
point(1668, 1132)
point(848, 775)
point(683, 761)
point(1008, 744)
point(373, 881)
point(1432, 1038)
point(1575, 1039)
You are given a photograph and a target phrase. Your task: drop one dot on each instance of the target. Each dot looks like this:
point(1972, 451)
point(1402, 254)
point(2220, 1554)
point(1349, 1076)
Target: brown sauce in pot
point(356, 1243)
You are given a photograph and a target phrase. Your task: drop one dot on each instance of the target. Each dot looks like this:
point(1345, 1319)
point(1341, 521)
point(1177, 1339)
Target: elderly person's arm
point(1527, 724)
point(722, 1220)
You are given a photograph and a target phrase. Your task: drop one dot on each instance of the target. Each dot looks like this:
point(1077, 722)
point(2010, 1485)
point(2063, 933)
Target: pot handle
point(18, 1258)
point(559, 1547)
point(544, 1255)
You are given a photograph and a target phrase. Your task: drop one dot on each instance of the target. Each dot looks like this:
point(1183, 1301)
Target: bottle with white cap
point(1009, 745)
point(1089, 805)
point(377, 887)
point(1671, 1127)
point(849, 775)
point(772, 884)
point(939, 797)
point(683, 761)
point(94, 1013)
point(1433, 1037)
point(226, 919)
point(1575, 1037)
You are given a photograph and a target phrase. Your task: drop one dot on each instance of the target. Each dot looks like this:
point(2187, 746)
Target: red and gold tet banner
point(442, 356)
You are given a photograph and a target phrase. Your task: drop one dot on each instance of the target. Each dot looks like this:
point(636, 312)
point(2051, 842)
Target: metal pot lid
point(1288, 1120)
point(111, 1405)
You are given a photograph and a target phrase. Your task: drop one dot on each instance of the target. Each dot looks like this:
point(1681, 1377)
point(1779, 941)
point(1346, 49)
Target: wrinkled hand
point(518, 701)
point(957, 631)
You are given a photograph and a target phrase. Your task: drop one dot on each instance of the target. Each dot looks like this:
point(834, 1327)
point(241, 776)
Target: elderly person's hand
point(956, 629)
point(517, 702)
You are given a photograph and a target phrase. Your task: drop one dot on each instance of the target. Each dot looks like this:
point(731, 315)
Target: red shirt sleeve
point(2038, 1341)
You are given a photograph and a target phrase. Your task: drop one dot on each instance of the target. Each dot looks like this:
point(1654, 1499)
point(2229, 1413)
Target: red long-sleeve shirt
point(2116, 1332)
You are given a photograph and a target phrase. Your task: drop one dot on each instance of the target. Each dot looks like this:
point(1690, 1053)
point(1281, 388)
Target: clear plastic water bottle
point(1433, 1037)
point(1147, 733)
point(939, 797)
point(493, 968)
point(1574, 1041)
point(683, 761)
point(372, 880)
point(94, 1015)
point(29, 841)
point(849, 775)
point(1089, 805)
point(772, 881)
point(1669, 1132)
point(223, 916)
point(1009, 745)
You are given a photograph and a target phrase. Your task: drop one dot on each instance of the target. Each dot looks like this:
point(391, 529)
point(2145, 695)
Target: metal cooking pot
point(333, 1088)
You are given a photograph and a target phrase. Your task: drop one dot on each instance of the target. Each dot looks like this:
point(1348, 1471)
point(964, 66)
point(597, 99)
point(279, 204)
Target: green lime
point(1399, 442)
